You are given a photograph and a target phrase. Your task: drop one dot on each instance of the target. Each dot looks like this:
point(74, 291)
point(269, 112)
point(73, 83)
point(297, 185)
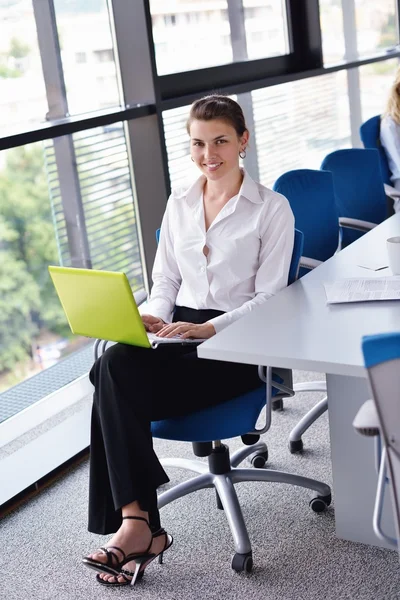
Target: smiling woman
point(225, 247)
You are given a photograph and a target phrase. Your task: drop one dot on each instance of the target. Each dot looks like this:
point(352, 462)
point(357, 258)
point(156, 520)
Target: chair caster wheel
point(242, 562)
point(258, 461)
point(320, 503)
point(296, 446)
point(277, 405)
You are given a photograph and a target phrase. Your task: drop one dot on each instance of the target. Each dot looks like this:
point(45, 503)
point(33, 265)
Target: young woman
point(390, 136)
point(225, 247)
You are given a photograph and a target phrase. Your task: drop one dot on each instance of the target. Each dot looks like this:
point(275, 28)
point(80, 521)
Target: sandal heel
point(136, 573)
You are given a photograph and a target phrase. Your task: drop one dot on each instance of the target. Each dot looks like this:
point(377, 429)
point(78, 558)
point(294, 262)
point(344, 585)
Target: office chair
point(370, 137)
point(359, 191)
point(311, 197)
point(237, 417)
point(380, 417)
point(370, 134)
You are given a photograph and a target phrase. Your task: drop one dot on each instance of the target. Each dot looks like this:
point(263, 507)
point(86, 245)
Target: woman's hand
point(152, 324)
point(187, 330)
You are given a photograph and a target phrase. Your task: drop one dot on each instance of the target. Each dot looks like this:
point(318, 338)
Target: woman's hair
point(217, 106)
point(393, 103)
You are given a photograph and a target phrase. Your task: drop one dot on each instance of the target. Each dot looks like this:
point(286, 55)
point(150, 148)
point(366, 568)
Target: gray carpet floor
point(296, 553)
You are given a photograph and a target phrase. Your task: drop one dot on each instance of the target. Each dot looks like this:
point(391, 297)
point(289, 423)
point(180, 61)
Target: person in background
point(225, 247)
point(390, 139)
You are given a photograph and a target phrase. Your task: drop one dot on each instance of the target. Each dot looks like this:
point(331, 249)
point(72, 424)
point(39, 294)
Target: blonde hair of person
point(393, 103)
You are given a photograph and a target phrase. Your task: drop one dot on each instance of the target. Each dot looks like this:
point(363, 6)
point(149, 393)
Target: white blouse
point(390, 140)
point(250, 246)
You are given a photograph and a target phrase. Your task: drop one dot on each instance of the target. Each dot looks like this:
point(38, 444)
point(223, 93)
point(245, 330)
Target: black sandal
point(132, 577)
point(113, 565)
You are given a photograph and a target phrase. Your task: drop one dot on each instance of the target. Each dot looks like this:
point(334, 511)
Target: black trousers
point(134, 386)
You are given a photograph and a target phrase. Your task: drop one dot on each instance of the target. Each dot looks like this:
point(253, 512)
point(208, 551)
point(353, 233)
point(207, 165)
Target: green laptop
point(100, 304)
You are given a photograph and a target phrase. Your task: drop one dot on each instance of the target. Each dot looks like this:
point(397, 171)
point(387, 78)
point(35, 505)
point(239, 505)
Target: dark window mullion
point(304, 30)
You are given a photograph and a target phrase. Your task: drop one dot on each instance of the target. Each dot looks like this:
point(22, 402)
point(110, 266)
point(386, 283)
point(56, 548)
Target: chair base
point(295, 441)
point(223, 482)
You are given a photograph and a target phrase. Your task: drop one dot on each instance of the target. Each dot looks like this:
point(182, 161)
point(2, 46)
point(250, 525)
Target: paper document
point(362, 290)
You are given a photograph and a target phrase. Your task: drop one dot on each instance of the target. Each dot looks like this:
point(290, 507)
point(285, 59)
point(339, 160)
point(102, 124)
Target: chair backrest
point(296, 254)
point(311, 197)
point(382, 360)
point(298, 247)
point(370, 134)
point(358, 184)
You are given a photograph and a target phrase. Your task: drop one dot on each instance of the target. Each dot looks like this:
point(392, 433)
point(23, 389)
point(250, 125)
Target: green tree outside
point(28, 301)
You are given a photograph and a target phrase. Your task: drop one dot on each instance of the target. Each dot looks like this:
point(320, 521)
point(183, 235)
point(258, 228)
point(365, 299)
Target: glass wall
point(375, 83)
point(298, 123)
point(32, 323)
point(191, 35)
point(38, 227)
point(374, 23)
point(331, 19)
point(87, 55)
point(22, 89)
point(68, 200)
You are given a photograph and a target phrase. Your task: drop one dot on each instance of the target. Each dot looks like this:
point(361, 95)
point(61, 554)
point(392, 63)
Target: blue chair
point(311, 197)
point(237, 417)
point(359, 191)
point(370, 137)
point(380, 417)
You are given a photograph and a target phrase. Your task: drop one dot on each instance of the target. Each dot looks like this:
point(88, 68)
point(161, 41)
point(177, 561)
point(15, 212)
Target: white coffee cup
point(393, 248)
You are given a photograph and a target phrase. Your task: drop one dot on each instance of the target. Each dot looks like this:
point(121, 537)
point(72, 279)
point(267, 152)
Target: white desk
point(298, 330)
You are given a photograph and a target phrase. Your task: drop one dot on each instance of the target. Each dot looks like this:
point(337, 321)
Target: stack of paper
point(362, 290)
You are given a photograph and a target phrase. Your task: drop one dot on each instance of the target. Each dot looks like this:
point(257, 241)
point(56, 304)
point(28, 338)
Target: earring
point(242, 153)
point(192, 159)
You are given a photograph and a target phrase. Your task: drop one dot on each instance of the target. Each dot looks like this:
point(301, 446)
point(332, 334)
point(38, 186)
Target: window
point(331, 19)
point(80, 57)
point(200, 41)
point(298, 123)
point(34, 333)
point(84, 29)
point(22, 91)
point(181, 168)
point(103, 56)
point(375, 82)
point(374, 25)
point(169, 20)
point(39, 212)
point(266, 29)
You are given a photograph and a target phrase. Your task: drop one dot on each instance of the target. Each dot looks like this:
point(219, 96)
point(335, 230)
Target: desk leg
point(353, 464)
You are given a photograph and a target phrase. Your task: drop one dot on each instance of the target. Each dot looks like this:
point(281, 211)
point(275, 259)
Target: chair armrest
point(391, 191)
point(284, 391)
point(356, 224)
point(309, 263)
point(366, 420)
